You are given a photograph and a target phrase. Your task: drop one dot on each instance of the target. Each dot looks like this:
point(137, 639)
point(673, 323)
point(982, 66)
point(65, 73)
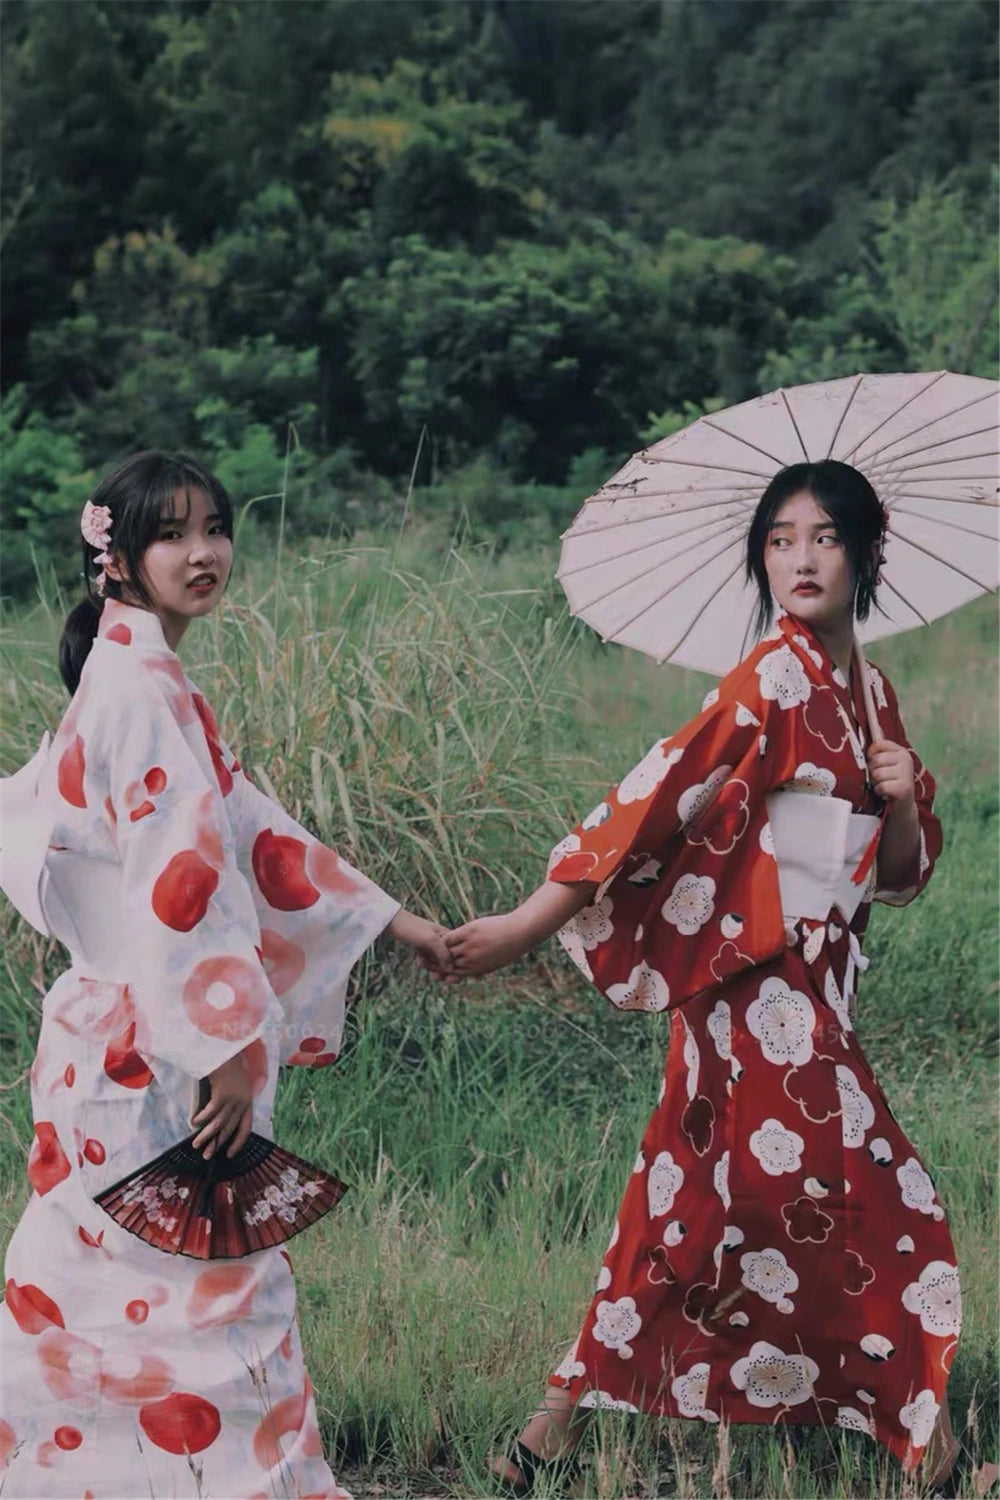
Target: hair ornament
point(95, 523)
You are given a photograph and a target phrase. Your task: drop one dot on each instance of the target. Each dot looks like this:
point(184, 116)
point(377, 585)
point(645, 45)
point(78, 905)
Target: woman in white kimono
point(210, 936)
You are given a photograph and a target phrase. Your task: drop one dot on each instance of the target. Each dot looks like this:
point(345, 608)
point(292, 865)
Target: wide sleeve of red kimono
point(187, 918)
point(688, 889)
point(931, 838)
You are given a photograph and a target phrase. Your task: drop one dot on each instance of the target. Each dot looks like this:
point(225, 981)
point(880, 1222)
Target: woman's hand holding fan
point(228, 1114)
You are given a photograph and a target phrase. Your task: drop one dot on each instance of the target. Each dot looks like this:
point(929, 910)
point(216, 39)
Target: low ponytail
point(79, 634)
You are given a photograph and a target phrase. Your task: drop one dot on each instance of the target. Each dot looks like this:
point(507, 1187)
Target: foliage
point(521, 228)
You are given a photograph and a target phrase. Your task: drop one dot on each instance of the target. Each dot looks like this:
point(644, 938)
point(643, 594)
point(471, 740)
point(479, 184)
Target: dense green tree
point(315, 228)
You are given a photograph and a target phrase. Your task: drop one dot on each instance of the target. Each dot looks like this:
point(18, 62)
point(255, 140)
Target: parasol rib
point(668, 591)
point(791, 418)
point(843, 415)
point(945, 416)
point(943, 561)
point(714, 595)
point(903, 600)
point(893, 414)
point(747, 507)
point(919, 515)
point(698, 463)
point(716, 427)
point(654, 567)
point(602, 562)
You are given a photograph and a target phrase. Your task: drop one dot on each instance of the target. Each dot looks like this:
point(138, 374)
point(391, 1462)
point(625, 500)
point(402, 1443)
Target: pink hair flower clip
point(95, 523)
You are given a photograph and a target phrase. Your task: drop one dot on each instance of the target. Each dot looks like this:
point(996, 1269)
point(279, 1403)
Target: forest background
point(542, 230)
point(414, 277)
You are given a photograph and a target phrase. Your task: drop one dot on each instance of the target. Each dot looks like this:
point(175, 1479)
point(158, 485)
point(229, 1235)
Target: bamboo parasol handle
point(874, 727)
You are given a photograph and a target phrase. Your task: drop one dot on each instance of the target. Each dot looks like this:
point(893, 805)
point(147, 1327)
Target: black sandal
point(533, 1468)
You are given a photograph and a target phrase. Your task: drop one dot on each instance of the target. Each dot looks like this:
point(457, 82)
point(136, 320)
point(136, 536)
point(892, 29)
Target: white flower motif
point(642, 781)
point(782, 1020)
point(853, 1420)
point(732, 1238)
point(731, 925)
point(720, 1029)
point(640, 1162)
point(645, 989)
point(689, 1391)
point(800, 640)
point(603, 1281)
point(617, 1324)
point(768, 1273)
point(282, 1199)
point(836, 1001)
point(877, 1347)
point(690, 903)
point(647, 874)
point(712, 696)
point(746, 716)
point(616, 1231)
point(936, 1298)
point(603, 1402)
point(674, 1233)
point(571, 941)
point(766, 840)
point(783, 678)
point(905, 1244)
point(571, 1366)
point(777, 1149)
point(663, 1184)
point(857, 1114)
point(594, 923)
point(692, 1059)
point(720, 1179)
point(878, 686)
point(569, 845)
point(880, 1151)
point(919, 1416)
point(925, 863)
point(600, 814)
point(816, 780)
point(813, 944)
point(699, 797)
point(772, 1378)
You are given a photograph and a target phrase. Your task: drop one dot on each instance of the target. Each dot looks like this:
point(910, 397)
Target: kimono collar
point(823, 670)
point(127, 625)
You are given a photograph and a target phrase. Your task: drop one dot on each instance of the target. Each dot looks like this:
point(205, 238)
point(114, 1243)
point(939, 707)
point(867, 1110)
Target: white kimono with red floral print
point(202, 921)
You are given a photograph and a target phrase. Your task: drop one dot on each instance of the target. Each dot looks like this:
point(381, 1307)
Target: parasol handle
point(874, 727)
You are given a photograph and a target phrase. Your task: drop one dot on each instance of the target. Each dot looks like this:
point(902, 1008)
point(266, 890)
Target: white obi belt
point(819, 844)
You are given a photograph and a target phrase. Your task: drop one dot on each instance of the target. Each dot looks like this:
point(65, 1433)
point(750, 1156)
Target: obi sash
point(821, 846)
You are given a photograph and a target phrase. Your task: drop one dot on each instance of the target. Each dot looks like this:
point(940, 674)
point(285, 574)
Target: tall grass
point(434, 713)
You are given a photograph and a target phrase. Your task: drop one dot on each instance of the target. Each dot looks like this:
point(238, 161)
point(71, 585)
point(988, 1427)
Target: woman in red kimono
point(780, 1254)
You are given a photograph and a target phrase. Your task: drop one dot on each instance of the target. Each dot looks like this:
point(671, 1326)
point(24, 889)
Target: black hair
point(135, 494)
point(855, 510)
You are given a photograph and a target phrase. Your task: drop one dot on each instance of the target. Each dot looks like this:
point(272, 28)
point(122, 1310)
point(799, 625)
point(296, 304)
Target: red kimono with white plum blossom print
point(780, 1254)
point(202, 922)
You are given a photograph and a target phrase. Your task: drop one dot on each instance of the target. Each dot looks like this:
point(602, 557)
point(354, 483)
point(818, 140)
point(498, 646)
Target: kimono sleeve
point(931, 837)
point(317, 917)
point(688, 888)
point(188, 921)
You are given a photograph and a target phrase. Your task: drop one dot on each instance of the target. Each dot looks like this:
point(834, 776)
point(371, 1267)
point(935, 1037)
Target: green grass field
point(436, 715)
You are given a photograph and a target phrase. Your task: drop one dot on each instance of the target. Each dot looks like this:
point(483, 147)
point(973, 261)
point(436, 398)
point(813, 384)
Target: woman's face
point(807, 565)
point(187, 567)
